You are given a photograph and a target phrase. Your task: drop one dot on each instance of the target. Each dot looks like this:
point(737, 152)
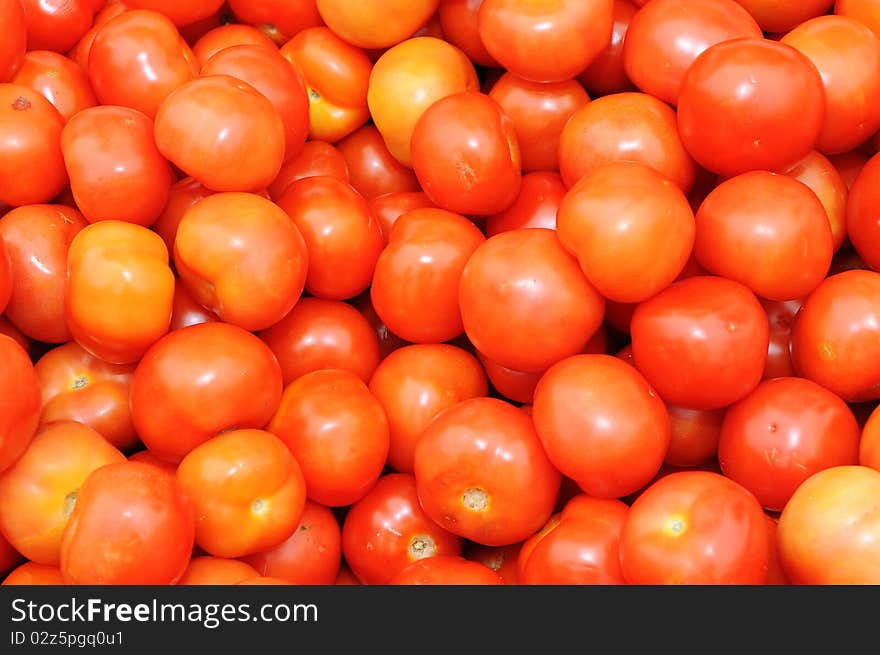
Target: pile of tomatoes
point(439, 292)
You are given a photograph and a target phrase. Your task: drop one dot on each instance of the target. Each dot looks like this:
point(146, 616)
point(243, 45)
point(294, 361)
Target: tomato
point(137, 59)
point(631, 229)
point(409, 78)
point(14, 45)
point(80, 52)
point(274, 77)
point(783, 15)
point(226, 36)
point(501, 559)
point(310, 556)
point(279, 19)
point(828, 531)
point(373, 170)
point(481, 473)
point(199, 381)
point(817, 172)
point(77, 386)
point(239, 143)
point(601, 424)
point(415, 384)
point(120, 290)
point(57, 26)
point(388, 341)
point(31, 573)
point(182, 195)
point(15, 334)
point(181, 13)
point(337, 75)
point(446, 570)
point(695, 527)
point(376, 23)
point(518, 386)
point(58, 79)
point(19, 402)
point(773, 84)
point(186, 311)
point(624, 126)
point(861, 213)
point(606, 74)
point(545, 41)
point(426, 254)
point(869, 445)
point(702, 342)
point(781, 316)
point(37, 240)
point(524, 301)
point(459, 21)
point(693, 435)
point(31, 164)
point(834, 339)
point(387, 529)
point(337, 431)
point(389, 207)
point(39, 491)
point(536, 205)
point(849, 165)
point(783, 432)
point(247, 491)
point(316, 158)
point(209, 570)
point(864, 11)
point(342, 237)
point(146, 457)
point(665, 39)
point(132, 524)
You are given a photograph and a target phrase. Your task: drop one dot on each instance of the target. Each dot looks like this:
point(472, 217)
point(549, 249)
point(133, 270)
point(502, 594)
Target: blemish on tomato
point(21, 104)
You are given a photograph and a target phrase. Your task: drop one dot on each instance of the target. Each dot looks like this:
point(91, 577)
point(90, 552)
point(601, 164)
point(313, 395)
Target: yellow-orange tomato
point(208, 570)
point(376, 23)
point(336, 74)
point(408, 79)
point(38, 493)
point(120, 290)
point(247, 490)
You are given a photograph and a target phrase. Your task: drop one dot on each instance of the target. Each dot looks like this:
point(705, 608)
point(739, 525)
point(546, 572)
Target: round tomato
point(57, 25)
point(372, 169)
point(58, 79)
point(817, 172)
point(693, 436)
point(279, 19)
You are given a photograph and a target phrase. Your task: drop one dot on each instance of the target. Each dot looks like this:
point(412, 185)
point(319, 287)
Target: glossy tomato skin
point(12, 51)
point(387, 529)
point(425, 256)
point(212, 366)
point(278, 19)
point(376, 23)
point(116, 171)
point(58, 79)
point(702, 342)
point(524, 301)
point(181, 13)
point(693, 436)
point(482, 474)
point(80, 52)
point(783, 432)
point(446, 570)
point(19, 402)
point(209, 570)
point(739, 78)
point(229, 35)
point(414, 384)
point(861, 211)
point(828, 530)
point(695, 527)
point(606, 73)
point(601, 424)
point(120, 290)
point(57, 26)
point(372, 169)
point(827, 182)
point(536, 205)
point(37, 240)
point(132, 524)
point(466, 155)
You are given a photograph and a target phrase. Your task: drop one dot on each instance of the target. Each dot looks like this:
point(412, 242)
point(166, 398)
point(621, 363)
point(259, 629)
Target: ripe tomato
point(31, 573)
point(58, 79)
point(77, 386)
point(536, 205)
point(310, 556)
point(624, 126)
point(601, 424)
point(316, 158)
point(783, 15)
point(14, 44)
point(199, 381)
point(524, 301)
point(606, 74)
point(446, 570)
point(247, 491)
point(459, 22)
point(342, 236)
point(414, 384)
point(31, 164)
point(337, 431)
point(773, 84)
point(376, 23)
point(482, 474)
point(241, 257)
point(39, 491)
point(19, 402)
point(693, 436)
point(278, 19)
point(132, 524)
point(861, 211)
point(425, 256)
point(869, 445)
point(57, 26)
point(120, 290)
point(817, 172)
point(695, 527)
point(631, 229)
point(829, 529)
point(80, 52)
point(702, 342)
point(387, 529)
point(181, 13)
point(388, 207)
point(209, 570)
point(37, 240)
point(186, 311)
point(226, 36)
point(372, 169)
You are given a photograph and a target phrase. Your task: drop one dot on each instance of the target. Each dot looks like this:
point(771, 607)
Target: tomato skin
point(120, 290)
point(695, 527)
point(182, 195)
point(372, 169)
point(781, 316)
point(482, 474)
point(31, 573)
point(693, 436)
point(414, 384)
point(37, 240)
point(376, 23)
point(132, 524)
point(317, 158)
point(31, 164)
point(828, 530)
point(210, 570)
point(181, 13)
point(501, 559)
point(186, 311)
point(19, 402)
point(389, 207)
point(775, 16)
point(80, 52)
point(869, 445)
point(536, 205)
point(702, 342)
point(601, 424)
point(425, 256)
point(58, 79)
point(337, 431)
point(247, 491)
point(38, 491)
point(527, 326)
point(57, 26)
point(199, 381)
point(446, 570)
point(817, 172)
point(226, 36)
point(387, 529)
point(8, 329)
point(460, 25)
point(861, 210)
point(240, 256)
point(12, 50)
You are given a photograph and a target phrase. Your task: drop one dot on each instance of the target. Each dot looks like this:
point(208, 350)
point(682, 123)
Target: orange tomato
point(31, 573)
point(19, 402)
point(226, 36)
point(209, 570)
point(59, 79)
point(376, 23)
point(316, 158)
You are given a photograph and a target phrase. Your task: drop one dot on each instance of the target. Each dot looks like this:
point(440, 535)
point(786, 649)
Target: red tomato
point(182, 13)
point(446, 570)
point(31, 573)
point(695, 527)
point(372, 169)
point(19, 402)
point(226, 36)
point(14, 44)
point(57, 25)
point(58, 79)
point(80, 52)
point(181, 197)
point(783, 15)
point(388, 207)
point(208, 570)
point(376, 23)
point(536, 205)
point(279, 19)
point(460, 26)
point(185, 311)
point(606, 73)
point(316, 158)
point(817, 172)
point(861, 213)
point(693, 436)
